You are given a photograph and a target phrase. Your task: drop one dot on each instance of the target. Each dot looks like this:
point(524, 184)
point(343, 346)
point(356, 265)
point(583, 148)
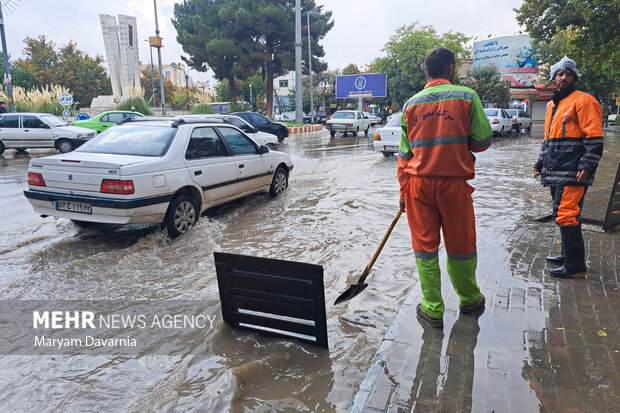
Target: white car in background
point(262, 138)
point(500, 121)
point(155, 171)
point(521, 120)
point(374, 119)
point(40, 130)
point(346, 121)
point(387, 138)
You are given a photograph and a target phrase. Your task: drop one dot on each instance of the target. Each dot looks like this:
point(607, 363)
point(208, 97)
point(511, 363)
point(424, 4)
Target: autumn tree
point(584, 30)
point(405, 54)
point(147, 87)
point(488, 84)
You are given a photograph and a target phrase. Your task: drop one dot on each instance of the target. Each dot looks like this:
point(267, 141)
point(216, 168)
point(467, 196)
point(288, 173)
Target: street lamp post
point(161, 71)
point(251, 105)
point(7, 69)
point(310, 70)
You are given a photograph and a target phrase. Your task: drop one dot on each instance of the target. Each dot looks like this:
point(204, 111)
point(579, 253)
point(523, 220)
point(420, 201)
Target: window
point(130, 27)
point(52, 120)
point(258, 120)
point(283, 83)
point(33, 122)
point(9, 121)
point(204, 143)
point(238, 143)
point(112, 117)
point(138, 140)
point(490, 112)
point(130, 115)
point(240, 124)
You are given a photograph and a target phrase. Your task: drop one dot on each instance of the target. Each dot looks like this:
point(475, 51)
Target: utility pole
point(187, 89)
point(299, 109)
point(7, 69)
point(161, 71)
point(310, 70)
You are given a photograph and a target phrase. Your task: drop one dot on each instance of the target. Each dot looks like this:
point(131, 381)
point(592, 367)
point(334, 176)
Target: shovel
point(360, 286)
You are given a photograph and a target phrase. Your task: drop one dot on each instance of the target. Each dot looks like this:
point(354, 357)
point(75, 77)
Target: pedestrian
point(570, 153)
point(3, 107)
point(440, 126)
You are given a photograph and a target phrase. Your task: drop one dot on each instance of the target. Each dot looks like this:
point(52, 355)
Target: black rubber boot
point(558, 259)
point(574, 254)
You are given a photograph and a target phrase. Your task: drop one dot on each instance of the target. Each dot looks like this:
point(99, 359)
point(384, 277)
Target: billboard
point(369, 85)
point(514, 57)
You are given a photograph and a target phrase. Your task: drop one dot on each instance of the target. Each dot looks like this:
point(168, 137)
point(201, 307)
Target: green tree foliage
point(487, 82)
point(70, 67)
point(405, 53)
point(259, 88)
point(351, 69)
point(305, 84)
point(584, 30)
point(147, 87)
point(20, 77)
point(237, 38)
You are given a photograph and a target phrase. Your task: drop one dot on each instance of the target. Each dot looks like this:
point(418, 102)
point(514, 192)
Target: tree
point(305, 84)
point(488, 84)
point(351, 69)
point(406, 50)
point(147, 87)
point(21, 77)
point(584, 30)
point(259, 88)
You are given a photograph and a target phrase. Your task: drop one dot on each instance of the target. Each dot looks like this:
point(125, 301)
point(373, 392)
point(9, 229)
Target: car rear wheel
point(279, 183)
point(366, 131)
point(65, 145)
point(332, 133)
point(501, 132)
point(387, 154)
point(2, 148)
point(182, 215)
point(355, 132)
point(81, 224)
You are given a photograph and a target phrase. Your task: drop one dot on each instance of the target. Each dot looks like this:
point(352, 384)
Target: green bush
point(136, 104)
point(202, 109)
point(240, 107)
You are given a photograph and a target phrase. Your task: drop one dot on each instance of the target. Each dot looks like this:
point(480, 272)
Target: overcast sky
point(361, 28)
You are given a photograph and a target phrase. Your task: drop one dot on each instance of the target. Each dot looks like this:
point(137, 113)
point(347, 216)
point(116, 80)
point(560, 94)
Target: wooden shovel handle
point(383, 241)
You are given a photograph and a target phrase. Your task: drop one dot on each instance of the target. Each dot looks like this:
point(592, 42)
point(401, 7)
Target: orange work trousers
point(445, 203)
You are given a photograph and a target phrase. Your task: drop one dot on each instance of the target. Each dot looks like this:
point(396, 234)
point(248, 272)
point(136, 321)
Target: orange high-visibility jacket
point(573, 140)
point(441, 126)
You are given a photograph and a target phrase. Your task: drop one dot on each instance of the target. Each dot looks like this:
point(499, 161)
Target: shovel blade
point(351, 292)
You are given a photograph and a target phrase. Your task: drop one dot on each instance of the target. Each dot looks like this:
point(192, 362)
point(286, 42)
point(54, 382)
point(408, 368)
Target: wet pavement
point(341, 199)
point(542, 344)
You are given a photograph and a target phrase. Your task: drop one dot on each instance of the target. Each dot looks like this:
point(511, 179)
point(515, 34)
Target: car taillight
point(377, 137)
point(514, 120)
point(495, 121)
point(113, 186)
point(35, 179)
point(349, 125)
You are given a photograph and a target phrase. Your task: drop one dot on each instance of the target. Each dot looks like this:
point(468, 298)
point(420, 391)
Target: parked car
point(104, 120)
point(520, 119)
point(387, 138)
point(260, 137)
point(40, 130)
point(264, 124)
point(374, 119)
point(281, 117)
point(500, 121)
point(320, 117)
point(154, 171)
point(346, 121)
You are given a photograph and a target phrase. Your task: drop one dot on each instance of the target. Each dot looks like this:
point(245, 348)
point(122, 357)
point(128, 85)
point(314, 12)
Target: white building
point(281, 86)
point(174, 73)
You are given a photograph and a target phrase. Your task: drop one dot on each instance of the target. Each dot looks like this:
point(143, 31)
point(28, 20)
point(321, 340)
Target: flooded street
point(341, 199)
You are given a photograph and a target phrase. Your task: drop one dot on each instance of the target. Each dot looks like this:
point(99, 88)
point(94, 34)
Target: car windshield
point(395, 121)
point(344, 115)
point(490, 112)
point(511, 112)
point(240, 124)
point(52, 120)
point(142, 140)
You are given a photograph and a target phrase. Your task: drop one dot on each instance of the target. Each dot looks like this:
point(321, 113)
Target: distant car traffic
point(387, 138)
point(281, 117)
point(374, 119)
point(346, 121)
point(521, 120)
point(264, 124)
point(500, 121)
point(104, 120)
point(152, 171)
point(260, 137)
point(40, 130)
point(320, 117)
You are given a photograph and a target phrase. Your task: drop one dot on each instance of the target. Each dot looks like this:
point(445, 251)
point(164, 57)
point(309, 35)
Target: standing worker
point(440, 126)
point(569, 156)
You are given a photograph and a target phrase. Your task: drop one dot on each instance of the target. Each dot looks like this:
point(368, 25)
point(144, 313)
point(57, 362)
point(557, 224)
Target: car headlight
point(85, 135)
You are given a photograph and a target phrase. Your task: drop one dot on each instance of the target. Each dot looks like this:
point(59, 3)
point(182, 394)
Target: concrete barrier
point(305, 129)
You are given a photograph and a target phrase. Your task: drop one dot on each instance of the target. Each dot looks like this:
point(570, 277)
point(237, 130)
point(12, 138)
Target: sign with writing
point(370, 85)
point(514, 57)
point(65, 99)
point(66, 113)
point(82, 116)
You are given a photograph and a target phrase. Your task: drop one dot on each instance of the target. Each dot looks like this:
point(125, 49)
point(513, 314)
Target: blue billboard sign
point(370, 85)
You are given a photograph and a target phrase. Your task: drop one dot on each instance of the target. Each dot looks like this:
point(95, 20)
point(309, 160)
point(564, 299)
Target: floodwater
point(341, 199)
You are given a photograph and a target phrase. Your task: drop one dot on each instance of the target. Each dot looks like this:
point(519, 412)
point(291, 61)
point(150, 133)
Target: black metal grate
point(273, 297)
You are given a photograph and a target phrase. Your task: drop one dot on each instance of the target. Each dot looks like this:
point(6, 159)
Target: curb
point(305, 129)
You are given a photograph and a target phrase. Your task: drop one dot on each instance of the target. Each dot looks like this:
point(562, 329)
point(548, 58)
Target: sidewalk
point(542, 344)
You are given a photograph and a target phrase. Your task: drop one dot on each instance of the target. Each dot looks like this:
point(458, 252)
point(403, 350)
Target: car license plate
point(385, 148)
point(337, 126)
point(80, 207)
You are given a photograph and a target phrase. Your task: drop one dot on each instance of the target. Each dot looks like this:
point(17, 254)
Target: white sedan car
point(500, 121)
point(155, 171)
point(374, 119)
point(387, 138)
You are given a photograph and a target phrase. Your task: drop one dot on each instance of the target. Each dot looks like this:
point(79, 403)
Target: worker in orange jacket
point(568, 159)
point(441, 126)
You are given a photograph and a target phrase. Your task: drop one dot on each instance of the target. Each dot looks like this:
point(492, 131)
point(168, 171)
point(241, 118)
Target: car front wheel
point(280, 136)
point(182, 215)
point(65, 146)
point(279, 183)
point(1, 148)
point(272, 146)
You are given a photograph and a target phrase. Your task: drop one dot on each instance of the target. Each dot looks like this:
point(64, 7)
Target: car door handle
point(197, 173)
point(26, 130)
point(241, 166)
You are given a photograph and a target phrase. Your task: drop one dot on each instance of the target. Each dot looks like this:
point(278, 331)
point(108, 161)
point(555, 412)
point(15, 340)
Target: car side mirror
point(263, 149)
point(253, 130)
